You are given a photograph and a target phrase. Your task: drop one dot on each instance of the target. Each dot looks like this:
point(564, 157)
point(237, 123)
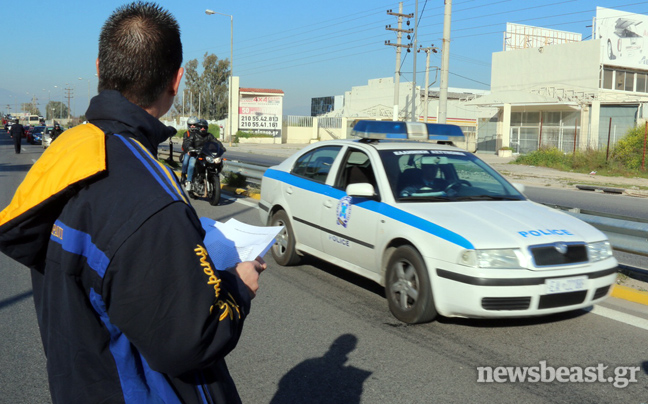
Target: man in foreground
point(129, 304)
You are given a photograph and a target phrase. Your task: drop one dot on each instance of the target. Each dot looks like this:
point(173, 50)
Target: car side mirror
point(362, 190)
point(519, 187)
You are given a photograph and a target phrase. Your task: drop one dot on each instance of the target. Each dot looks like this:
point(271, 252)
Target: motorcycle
point(206, 176)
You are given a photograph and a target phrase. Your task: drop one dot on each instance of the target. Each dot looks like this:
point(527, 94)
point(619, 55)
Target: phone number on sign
point(245, 125)
point(262, 118)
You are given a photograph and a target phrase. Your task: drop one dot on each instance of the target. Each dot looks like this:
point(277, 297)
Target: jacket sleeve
point(164, 294)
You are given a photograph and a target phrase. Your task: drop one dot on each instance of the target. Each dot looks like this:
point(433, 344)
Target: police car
point(441, 230)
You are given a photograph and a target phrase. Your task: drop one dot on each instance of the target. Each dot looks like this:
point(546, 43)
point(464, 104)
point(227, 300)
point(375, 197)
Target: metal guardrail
point(249, 170)
point(625, 233)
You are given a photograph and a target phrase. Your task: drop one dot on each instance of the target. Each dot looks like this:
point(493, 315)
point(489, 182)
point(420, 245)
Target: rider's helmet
point(192, 124)
point(203, 126)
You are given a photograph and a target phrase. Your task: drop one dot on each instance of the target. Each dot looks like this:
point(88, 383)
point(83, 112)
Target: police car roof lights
point(377, 130)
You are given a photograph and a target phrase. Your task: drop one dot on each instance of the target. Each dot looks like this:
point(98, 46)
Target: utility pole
point(414, 97)
point(69, 96)
point(399, 34)
point(429, 50)
point(445, 62)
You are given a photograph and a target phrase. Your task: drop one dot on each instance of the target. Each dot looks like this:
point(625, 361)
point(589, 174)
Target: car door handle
point(289, 190)
point(328, 204)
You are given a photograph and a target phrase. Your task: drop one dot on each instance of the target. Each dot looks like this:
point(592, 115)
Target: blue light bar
point(376, 130)
point(380, 130)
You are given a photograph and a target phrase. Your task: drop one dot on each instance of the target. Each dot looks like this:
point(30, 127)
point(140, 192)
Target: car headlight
point(500, 258)
point(599, 251)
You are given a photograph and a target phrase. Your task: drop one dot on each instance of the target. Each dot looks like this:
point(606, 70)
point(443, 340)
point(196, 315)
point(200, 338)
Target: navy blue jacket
point(17, 132)
point(129, 304)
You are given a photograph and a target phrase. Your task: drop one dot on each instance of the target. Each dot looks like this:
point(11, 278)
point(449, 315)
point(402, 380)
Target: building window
point(624, 80)
point(551, 118)
point(620, 78)
point(629, 81)
point(608, 78)
point(642, 78)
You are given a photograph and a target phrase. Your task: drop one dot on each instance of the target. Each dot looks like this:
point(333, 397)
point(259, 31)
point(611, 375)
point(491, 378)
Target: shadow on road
point(15, 167)
point(325, 379)
point(15, 299)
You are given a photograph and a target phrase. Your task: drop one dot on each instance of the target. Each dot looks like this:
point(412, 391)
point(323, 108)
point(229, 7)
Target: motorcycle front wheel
point(214, 197)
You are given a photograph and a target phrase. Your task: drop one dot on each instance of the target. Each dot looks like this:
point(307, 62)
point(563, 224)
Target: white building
point(376, 101)
point(566, 93)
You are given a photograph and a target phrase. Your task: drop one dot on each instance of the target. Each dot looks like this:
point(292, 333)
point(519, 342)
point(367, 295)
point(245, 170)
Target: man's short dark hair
point(140, 52)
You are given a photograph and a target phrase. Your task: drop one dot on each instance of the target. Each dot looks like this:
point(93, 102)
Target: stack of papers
point(232, 242)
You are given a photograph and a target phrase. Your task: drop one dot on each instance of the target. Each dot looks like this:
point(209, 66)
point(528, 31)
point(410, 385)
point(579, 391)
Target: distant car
point(47, 136)
point(463, 243)
point(27, 130)
point(35, 135)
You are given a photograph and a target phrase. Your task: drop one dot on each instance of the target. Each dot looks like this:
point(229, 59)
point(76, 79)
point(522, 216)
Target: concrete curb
point(630, 294)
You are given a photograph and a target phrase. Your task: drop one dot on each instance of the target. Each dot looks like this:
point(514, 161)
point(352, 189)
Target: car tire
point(407, 287)
point(283, 251)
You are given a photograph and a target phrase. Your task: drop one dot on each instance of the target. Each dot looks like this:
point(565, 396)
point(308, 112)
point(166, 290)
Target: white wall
point(573, 66)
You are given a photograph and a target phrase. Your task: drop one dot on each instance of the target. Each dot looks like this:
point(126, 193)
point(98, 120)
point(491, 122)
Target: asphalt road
point(317, 334)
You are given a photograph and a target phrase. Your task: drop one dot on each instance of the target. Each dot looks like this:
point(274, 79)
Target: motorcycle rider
point(189, 161)
point(198, 136)
point(56, 131)
point(203, 128)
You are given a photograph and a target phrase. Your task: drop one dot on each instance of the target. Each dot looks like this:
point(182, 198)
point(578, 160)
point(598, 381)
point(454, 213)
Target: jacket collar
point(113, 113)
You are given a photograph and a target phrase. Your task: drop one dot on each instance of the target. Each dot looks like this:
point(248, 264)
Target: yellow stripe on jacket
point(75, 155)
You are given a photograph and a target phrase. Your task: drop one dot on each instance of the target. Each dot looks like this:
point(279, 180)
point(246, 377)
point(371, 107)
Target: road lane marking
point(245, 202)
point(620, 316)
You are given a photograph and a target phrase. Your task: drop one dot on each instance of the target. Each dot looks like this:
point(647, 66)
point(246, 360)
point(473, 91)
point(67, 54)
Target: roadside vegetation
point(624, 160)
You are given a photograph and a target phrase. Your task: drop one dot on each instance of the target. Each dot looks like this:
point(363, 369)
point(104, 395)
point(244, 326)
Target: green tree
point(209, 88)
point(56, 110)
point(31, 108)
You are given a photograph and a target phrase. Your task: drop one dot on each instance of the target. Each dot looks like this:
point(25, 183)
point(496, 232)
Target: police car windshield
point(426, 175)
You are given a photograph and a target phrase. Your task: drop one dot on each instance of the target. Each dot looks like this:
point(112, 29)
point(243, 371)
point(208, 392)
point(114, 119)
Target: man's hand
point(249, 272)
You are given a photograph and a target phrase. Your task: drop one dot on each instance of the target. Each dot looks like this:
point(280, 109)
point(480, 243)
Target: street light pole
point(230, 101)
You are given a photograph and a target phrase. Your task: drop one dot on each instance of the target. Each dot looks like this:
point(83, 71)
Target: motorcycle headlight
point(599, 251)
point(501, 258)
point(209, 159)
point(217, 160)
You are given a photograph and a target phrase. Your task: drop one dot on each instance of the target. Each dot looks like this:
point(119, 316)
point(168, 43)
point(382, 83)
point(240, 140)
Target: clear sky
point(305, 48)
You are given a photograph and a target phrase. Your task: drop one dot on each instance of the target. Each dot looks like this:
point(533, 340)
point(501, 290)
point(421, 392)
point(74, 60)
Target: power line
point(302, 45)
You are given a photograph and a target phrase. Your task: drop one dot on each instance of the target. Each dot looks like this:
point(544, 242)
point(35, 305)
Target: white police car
point(441, 230)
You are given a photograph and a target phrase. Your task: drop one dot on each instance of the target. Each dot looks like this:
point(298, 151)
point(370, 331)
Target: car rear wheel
point(283, 251)
point(407, 287)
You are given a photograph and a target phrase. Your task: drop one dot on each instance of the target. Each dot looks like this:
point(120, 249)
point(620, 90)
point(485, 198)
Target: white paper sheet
point(233, 241)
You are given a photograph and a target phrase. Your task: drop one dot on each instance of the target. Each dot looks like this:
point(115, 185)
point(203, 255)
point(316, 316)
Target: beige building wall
point(566, 71)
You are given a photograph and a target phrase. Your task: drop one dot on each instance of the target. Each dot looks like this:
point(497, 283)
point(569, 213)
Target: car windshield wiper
point(487, 198)
point(423, 199)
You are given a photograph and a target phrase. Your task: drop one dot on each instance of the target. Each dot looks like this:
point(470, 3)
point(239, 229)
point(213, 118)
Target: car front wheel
point(407, 287)
point(283, 251)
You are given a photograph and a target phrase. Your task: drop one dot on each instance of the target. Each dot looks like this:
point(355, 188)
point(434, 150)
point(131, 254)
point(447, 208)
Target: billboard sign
point(623, 38)
point(261, 113)
point(519, 36)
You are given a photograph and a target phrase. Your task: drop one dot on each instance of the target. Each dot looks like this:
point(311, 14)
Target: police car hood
point(504, 224)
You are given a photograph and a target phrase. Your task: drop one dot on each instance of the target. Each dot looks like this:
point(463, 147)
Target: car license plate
point(564, 285)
